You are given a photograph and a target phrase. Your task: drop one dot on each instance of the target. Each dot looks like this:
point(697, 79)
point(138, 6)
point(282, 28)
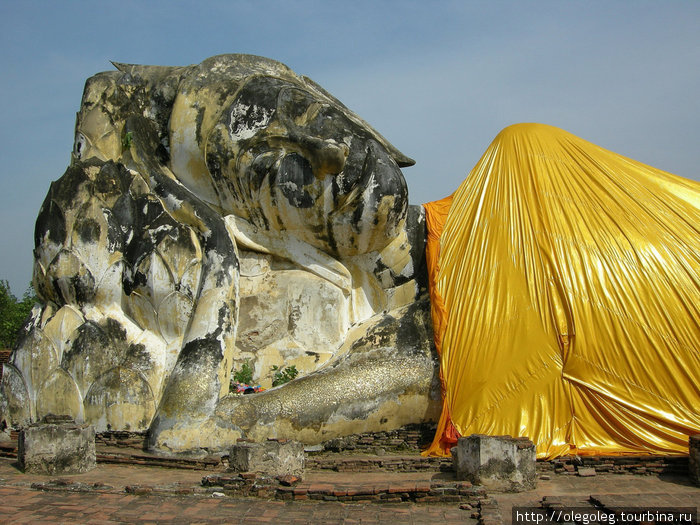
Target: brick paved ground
point(102, 497)
point(607, 489)
point(107, 502)
point(23, 505)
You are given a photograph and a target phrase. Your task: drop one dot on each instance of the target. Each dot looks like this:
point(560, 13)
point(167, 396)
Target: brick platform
point(640, 465)
point(336, 487)
point(4, 358)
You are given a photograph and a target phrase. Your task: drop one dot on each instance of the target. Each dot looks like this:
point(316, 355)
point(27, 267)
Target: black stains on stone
point(261, 167)
point(95, 339)
point(162, 154)
point(162, 98)
point(359, 211)
point(112, 180)
point(213, 161)
point(68, 186)
point(133, 280)
point(150, 213)
point(352, 171)
point(259, 99)
point(408, 330)
point(315, 355)
point(123, 214)
point(114, 330)
point(417, 234)
point(83, 286)
point(50, 223)
point(88, 229)
point(295, 172)
point(91, 339)
point(198, 123)
point(414, 330)
point(137, 357)
point(293, 318)
point(380, 335)
point(199, 355)
point(114, 232)
point(332, 243)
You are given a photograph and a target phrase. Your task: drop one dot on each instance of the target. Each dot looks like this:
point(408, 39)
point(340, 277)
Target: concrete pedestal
point(56, 446)
point(694, 459)
point(499, 463)
point(272, 457)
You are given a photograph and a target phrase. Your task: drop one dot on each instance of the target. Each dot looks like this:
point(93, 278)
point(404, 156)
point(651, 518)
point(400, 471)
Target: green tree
point(13, 313)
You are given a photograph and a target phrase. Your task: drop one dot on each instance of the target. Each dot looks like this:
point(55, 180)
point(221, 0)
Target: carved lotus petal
point(14, 396)
point(173, 316)
point(92, 352)
point(109, 288)
point(59, 394)
point(47, 312)
point(180, 250)
point(35, 356)
point(138, 186)
point(140, 309)
point(148, 354)
point(189, 282)
point(120, 398)
point(112, 181)
point(49, 232)
point(89, 239)
point(153, 278)
point(61, 325)
point(71, 279)
point(43, 286)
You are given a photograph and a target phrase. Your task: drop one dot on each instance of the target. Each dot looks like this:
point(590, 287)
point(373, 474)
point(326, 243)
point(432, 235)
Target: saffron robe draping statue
point(565, 287)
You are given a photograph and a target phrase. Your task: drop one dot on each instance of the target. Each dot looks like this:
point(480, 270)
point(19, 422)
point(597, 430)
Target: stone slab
point(272, 457)
point(694, 459)
point(499, 463)
point(56, 446)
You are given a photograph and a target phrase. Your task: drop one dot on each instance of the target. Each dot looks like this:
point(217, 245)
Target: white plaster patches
point(247, 120)
point(34, 318)
point(172, 203)
point(291, 186)
point(408, 270)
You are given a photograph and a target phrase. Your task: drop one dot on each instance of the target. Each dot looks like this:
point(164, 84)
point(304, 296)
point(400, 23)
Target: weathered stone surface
point(499, 463)
point(212, 215)
point(694, 459)
point(271, 457)
point(56, 446)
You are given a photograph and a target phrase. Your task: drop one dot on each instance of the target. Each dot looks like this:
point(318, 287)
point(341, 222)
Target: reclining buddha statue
point(215, 216)
point(233, 216)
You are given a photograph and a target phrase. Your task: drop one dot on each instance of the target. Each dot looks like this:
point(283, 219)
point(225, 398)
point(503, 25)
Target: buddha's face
point(287, 158)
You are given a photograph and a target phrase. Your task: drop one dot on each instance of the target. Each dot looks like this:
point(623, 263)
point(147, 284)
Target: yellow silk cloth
point(566, 299)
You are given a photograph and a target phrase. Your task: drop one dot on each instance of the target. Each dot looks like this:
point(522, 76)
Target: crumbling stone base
point(499, 463)
point(694, 459)
point(56, 445)
point(272, 457)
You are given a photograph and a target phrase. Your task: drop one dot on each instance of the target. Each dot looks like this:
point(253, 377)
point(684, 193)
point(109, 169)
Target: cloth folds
point(565, 287)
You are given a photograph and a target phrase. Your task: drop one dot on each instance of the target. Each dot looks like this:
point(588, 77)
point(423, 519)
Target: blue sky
point(439, 79)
